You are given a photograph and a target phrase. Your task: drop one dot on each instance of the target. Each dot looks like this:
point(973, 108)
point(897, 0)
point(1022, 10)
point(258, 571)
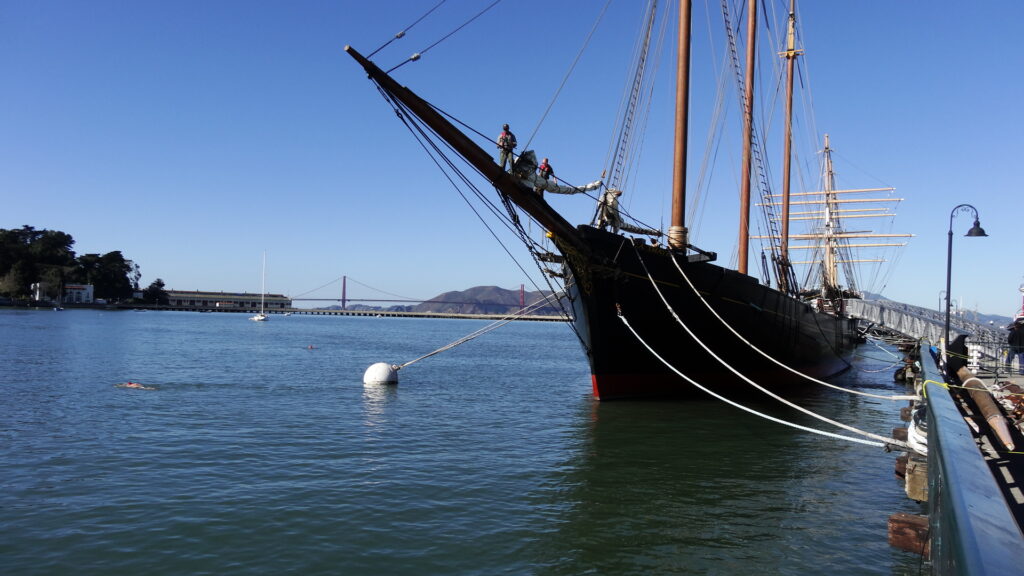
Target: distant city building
point(78, 294)
point(225, 300)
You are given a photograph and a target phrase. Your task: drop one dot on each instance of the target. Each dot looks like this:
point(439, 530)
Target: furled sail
point(526, 170)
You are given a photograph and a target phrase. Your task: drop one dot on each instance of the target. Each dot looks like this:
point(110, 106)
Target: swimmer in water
point(135, 385)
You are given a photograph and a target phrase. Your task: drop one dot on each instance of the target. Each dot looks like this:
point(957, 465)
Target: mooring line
point(898, 397)
point(750, 410)
point(885, 441)
point(484, 330)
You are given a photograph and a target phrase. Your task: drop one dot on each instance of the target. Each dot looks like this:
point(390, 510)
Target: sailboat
point(262, 317)
point(58, 303)
point(656, 316)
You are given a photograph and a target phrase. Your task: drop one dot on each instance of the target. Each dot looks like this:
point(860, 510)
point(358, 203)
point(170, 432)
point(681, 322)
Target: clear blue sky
point(194, 135)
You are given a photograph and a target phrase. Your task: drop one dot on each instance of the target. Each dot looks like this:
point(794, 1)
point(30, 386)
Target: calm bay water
point(257, 454)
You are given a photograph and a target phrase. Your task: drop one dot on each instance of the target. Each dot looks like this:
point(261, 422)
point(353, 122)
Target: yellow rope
point(924, 387)
point(960, 387)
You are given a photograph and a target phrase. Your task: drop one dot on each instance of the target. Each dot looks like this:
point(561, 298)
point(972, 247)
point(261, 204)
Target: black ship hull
point(614, 280)
point(606, 274)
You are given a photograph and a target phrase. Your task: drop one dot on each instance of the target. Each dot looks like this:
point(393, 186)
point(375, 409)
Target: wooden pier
point(330, 312)
point(972, 477)
point(393, 314)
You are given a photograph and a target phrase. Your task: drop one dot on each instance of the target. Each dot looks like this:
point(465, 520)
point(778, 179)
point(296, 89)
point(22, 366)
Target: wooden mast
point(829, 272)
point(748, 131)
point(790, 54)
point(677, 235)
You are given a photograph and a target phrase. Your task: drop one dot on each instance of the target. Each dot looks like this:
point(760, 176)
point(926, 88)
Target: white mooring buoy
point(381, 373)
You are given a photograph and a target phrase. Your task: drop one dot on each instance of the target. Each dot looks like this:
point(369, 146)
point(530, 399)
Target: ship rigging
point(605, 272)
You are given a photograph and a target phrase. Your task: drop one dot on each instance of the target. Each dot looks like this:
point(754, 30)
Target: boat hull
point(614, 280)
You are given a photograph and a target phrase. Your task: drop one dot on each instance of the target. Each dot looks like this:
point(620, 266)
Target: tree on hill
point(15, 283)
point(110, 274)
point(29, 256)
point(155, 293)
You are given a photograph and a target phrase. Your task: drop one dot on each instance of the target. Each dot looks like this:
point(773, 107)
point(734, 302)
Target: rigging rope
point(406, 29)
point(417, 55)
point(630, 178)
point(567, 74)
point(886, 441)
point(418, 131)
point(631, 100)
point(512, 222)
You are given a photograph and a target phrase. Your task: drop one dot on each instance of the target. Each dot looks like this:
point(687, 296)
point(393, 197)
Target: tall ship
point(655, 314)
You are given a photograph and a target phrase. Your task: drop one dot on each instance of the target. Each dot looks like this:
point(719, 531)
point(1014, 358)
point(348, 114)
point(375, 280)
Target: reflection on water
point(701, 487)
point(258, 455)
point(375, 400)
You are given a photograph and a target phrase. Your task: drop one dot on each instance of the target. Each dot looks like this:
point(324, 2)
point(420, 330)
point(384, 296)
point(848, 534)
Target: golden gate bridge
point(394, 298)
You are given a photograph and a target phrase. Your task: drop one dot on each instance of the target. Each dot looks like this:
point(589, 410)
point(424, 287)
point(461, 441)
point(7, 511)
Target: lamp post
point(975, 230)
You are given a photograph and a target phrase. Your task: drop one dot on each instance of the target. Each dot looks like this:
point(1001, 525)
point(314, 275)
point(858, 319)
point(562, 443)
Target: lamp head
point(976, 230)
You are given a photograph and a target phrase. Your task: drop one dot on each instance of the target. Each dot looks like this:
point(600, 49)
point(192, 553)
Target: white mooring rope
point(898, 397)
point(744, 408)
point(884, 441)
point(496, 324)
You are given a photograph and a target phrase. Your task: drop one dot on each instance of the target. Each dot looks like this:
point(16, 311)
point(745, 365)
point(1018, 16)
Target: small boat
point(917, 431)
point(58, 303)
point(262, 317)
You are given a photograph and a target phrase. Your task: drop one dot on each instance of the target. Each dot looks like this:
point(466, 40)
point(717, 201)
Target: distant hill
point(499, 301)
point(478, 300)
point(994, 319)
point(485, 300)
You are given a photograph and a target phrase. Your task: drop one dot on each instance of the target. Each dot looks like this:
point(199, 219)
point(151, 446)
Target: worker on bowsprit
point(506, 144)
point(608, 210)
point(546, 172)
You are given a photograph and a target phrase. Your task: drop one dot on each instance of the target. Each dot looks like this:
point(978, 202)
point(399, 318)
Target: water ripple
point(257, 454)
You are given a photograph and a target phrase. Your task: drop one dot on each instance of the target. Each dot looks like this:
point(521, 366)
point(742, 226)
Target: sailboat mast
point(677, 236)
point(790, 55)
point(829, 272)
point(748, 134)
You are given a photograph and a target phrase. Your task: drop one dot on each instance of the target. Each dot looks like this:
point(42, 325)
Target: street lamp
point(975, 230)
